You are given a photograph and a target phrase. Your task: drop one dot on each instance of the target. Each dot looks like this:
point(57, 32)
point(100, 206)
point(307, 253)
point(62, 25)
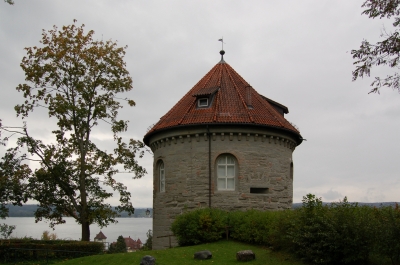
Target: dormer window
point(282, 110)
point(202, 102)
point(205, 96)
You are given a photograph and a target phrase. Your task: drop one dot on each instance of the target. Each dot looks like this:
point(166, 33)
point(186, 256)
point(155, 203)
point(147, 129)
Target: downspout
point(209, 167)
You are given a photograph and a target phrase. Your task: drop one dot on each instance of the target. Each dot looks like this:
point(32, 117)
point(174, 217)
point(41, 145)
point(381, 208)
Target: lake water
point(133, 227)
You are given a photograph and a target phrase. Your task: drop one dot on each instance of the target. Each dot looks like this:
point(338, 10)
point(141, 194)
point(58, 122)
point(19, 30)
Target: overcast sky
point(294, 52)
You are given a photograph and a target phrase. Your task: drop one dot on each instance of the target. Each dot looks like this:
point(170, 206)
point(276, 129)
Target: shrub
point(310, 231)
point(280, 225)
point(335, 233)
point(252, 226)
point(49, 236)
point(199, 226)
point(353, 232)
point(119, 246)
point(339, 233)
point(29, 249)
point(149, 242)
point(6, 230)
point(388, 225)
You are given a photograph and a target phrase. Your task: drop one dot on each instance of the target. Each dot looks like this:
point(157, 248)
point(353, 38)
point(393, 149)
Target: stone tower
point(224, 146)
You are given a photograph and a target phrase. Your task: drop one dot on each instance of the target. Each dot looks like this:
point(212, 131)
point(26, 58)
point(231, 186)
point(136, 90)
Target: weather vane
point(222, 40)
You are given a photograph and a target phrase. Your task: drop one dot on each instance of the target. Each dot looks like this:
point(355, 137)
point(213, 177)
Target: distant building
point(223, 145)
point(133, 245)
point(100, 237)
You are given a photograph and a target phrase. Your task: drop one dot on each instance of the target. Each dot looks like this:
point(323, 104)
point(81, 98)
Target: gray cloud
point(298, 56)
point(332, 195)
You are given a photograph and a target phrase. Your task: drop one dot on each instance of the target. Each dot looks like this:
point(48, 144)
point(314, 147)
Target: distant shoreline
point(28, 210)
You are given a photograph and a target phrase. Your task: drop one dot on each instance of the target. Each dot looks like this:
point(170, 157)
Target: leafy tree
point(78, 80)
point(149, 242)
point(11, 2)
point(6, 230)
point(387, 238)
point(385, 52)
point(119, 246)
point(12, 176)
point(48, 236)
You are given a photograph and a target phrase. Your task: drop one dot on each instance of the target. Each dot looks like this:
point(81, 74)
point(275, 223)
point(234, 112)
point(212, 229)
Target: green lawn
point(224, 252)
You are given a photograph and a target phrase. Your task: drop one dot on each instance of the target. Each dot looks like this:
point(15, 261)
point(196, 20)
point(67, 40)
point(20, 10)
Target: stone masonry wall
point(263, 173)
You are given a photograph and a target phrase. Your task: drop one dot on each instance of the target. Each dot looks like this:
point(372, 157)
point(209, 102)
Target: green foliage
point(311, 230)
point(149, 242)
point(250, 226)
point(266, 228)
point(119, 246)
point(382, 53)
point(388, 227)
point(78, 80)
point(334, 233)
point(200, 226)
point(13, 174)
point(34, 250)
point(339, 233)
point(48, 236)
point(6, 230)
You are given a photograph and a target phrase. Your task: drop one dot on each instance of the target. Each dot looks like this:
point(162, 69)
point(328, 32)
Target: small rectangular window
point(203, 102)
point(162, 177)
point(259, 190)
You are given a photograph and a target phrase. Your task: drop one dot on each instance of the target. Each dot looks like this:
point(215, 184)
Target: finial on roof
point(222, 52)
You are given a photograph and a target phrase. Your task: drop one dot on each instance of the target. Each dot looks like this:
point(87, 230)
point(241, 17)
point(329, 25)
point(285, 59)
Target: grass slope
point(224, 252)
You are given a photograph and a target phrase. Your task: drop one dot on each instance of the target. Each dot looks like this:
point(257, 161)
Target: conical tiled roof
point(231, 100)
point(100, 236)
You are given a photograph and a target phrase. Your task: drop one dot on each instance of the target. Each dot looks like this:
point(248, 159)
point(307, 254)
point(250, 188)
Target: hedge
point(27, 250)
point(336, 233)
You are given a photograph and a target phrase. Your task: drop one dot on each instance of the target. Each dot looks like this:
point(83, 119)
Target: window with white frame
point(162, 176)
point(226, 168)
point(202, 102)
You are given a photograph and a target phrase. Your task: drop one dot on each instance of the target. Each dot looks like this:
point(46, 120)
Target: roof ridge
point(210, 74)
point(241, 78)
point(263, 101)
point(218, 95)
point(282, 121)
point(189, 92)
point(241, 97)
point(269, 110)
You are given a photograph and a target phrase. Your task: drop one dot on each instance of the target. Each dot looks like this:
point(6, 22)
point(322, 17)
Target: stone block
point(205, 254)
point(245, 255)
point(148, 260)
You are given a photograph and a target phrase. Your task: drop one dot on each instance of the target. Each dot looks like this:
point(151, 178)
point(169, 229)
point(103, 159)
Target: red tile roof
point(132, 244)
point(232, 99)
point(100, 236)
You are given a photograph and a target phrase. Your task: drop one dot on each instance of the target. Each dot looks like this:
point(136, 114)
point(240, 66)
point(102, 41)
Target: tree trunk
point(84, 213)
point(84, 207)
point(85, 231)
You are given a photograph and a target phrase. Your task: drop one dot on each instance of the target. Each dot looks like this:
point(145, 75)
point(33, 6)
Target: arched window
point(161, 174)
point(226, 171)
